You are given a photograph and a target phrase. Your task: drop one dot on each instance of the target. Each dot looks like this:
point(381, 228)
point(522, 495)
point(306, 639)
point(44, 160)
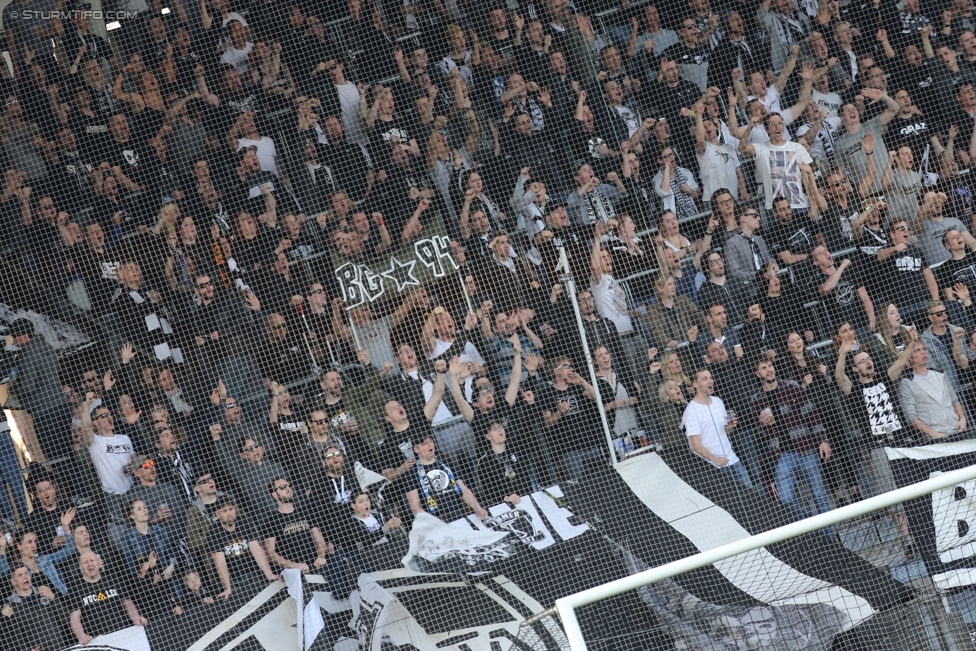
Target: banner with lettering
point(422, 261)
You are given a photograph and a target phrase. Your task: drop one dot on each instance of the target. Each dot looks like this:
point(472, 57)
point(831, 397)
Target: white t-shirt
point(772, 100)
point(829, 101)
point(611, 302)
point(110, 454)
point(717, 168)
point(266, 152)
point(708, 423)
point(633, 122)
point(237, 59)
point(349, 100)
point(783, 159)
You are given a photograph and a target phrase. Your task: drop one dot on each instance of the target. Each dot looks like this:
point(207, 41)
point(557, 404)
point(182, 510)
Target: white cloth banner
point(378, 616)
point(130, 639)
point(309, 617)
point(435, 541)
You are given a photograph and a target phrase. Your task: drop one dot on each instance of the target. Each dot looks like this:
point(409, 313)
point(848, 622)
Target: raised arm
point(87, 430)
point(926, 43)
point(440, 384)
point(428, 340)
point(871, 171)
point(746, 147)
point(807, 73)
point(896, 369)
point(458, 375)
point(787, 69)
point(511, 393)
point(843, 382)
point(699, 109)
point(891, 106)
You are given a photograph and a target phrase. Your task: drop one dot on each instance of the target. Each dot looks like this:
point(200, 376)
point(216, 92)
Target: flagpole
point(464, 292)
point(355, 333)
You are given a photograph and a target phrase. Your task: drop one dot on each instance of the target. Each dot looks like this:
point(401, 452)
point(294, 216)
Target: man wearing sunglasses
point(202, 515)
point(216, 317)
point(232, 428)
point(336, 485)
point(946, 346)
point(111, 453)
point(252, 474)
point(293, 538)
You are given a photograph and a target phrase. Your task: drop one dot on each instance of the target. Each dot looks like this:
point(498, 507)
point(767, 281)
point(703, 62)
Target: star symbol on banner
point(401, 273)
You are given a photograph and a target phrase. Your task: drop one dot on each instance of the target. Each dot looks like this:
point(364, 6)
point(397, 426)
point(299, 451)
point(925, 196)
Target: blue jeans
point(748, 452)
point(790, 465)
point(738, 470)
point(11, 477)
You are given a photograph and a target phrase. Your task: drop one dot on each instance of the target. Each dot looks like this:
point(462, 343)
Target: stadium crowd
point(764, 210)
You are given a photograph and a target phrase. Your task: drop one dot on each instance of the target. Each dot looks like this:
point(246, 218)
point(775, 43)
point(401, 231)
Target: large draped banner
point(944, 523)
point(472, 584)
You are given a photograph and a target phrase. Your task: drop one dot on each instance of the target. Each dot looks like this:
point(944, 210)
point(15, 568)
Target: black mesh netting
point(383, 325)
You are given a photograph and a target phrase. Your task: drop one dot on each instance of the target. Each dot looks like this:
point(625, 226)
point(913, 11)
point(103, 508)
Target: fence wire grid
point(384, 325)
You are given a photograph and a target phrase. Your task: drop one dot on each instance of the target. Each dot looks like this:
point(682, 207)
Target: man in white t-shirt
point(755, 108)
point(245, 134)
point(769, 95)
point(707, 426)
point(718, 162)
point(236, 55)
point(349, 99)
point(779, 164)
point(611, 299)
point(830, 102)
point(111, 453)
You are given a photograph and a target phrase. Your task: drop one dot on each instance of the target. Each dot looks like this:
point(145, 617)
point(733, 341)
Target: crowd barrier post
point(567, 279)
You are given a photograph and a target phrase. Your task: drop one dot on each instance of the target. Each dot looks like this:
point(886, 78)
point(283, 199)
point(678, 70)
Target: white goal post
point(566, 606)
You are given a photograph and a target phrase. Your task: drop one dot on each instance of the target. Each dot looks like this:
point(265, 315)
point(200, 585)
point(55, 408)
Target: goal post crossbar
point(566, 607)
